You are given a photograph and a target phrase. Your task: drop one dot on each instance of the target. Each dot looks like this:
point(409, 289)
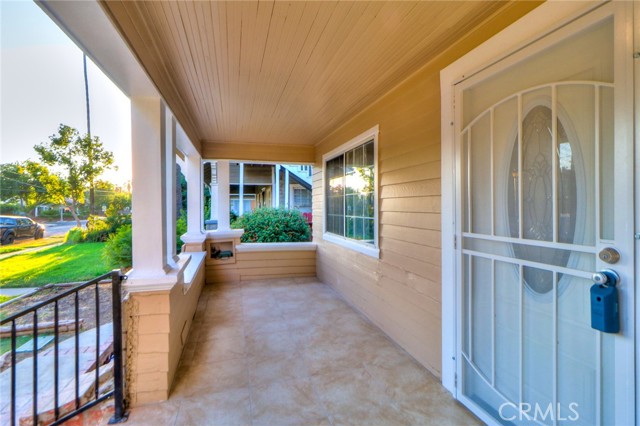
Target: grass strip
point(60, 264)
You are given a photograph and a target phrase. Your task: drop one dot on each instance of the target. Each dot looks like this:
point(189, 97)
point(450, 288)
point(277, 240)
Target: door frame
point(541, 22)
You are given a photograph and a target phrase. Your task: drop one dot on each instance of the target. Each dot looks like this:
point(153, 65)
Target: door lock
point(609, 255)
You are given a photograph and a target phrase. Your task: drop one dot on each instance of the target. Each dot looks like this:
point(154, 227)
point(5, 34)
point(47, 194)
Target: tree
point(25, 182)
point(83, 159)
point(98, 160)
point(104, 193)
point(13, 184)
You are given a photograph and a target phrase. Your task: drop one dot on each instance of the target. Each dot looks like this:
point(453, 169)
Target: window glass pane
point(335, 195)
point(350, 194)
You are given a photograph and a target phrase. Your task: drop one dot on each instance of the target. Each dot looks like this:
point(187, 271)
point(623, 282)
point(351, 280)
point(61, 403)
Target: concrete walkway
point(17, 291)
point(29, 250)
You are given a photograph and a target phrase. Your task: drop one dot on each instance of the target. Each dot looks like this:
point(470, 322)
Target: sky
point(42, 86)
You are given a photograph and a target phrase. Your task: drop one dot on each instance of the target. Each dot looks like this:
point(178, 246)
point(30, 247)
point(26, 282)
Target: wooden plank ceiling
point(284, 72)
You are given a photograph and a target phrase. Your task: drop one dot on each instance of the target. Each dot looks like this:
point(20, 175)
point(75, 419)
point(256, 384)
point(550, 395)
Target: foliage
point(207, 202)
point(59, 264)
point(270, 225)
point(181, 229)
point(181, 191)
point(233, 216)
point(98, 230)
point(97, 161)
point(119, 211)
point(117, 251)
point(54, 214)
point(83, 160)
point(27, 183)
point(103, 195)
point(11, 208)
point(74, 236)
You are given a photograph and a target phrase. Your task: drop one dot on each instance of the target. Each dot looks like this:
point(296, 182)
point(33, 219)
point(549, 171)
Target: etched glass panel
point(537, 195)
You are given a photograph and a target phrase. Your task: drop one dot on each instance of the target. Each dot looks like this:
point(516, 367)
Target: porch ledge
point(193, 238)
point(256, 247)
point(157, 282)
point(191, 269)
point(231, 233)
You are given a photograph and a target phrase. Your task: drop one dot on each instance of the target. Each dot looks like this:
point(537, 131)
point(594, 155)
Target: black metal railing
point(55, 414)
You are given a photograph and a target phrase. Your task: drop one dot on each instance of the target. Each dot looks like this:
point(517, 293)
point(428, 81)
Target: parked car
point(14, 227)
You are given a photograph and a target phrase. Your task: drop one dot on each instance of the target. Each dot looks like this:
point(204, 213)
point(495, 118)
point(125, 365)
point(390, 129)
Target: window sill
point(353, 245)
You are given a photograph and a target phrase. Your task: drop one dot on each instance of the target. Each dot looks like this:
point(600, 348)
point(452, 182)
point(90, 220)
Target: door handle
point(604, 301)
point(606, 277)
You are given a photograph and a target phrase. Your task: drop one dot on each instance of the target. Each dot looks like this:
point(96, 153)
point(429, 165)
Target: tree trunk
point(92, 200)
point(72, 207)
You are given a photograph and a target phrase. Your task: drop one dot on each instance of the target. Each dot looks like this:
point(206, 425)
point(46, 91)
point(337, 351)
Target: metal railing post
point(119, 414)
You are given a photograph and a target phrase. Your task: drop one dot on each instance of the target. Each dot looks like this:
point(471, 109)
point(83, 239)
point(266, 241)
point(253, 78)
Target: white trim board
point(538, 23)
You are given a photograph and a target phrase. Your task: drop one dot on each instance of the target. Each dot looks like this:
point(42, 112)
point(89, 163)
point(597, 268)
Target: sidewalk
point(29, 250)
point(17, 291)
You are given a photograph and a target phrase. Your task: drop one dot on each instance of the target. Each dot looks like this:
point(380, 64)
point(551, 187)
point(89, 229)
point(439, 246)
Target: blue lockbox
point(604, 308)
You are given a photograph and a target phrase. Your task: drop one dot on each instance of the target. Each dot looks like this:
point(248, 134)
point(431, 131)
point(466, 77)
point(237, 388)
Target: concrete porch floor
point(292, 352)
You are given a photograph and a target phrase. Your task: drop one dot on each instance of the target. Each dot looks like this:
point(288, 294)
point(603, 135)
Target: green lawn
point(18, 245)
point(60, 264)
point(5, 298)
point(5, 343)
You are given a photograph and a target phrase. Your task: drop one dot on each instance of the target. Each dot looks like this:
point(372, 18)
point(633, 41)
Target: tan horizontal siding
point(419, 236)
point(275, 255)
point(401, 291)
point(264, 264)
point(411, 174)
point(248, 273)
point(283, 264)
point(412, 220)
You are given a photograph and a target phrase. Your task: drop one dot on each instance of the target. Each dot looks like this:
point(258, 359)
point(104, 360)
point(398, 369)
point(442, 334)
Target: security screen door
point(545, 163)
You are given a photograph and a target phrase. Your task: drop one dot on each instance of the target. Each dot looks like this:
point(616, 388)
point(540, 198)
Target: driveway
point(61, 228)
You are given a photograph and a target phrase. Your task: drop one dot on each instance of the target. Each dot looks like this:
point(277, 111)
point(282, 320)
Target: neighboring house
point(473, 166)
point(261, 185)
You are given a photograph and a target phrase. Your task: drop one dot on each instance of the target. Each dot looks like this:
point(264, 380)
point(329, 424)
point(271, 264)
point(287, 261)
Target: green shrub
point(98, 230)
point(119, 212)
point(181, 229)
point(233, 216)
point(117, 250)
point(269, 225)
point(11, 209)
point(54, 214)
point(74, 236)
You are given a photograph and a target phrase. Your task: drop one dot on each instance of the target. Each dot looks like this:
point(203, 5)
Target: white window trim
point(361, 247)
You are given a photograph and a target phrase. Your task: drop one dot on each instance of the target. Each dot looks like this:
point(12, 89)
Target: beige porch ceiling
point(284, 73)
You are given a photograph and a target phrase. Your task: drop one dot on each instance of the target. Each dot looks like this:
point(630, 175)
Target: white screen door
point(545, 174)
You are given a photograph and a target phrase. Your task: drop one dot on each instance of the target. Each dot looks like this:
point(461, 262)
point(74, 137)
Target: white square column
point(170, 187)
point(149, 190)
point(223, 195)
point(194, 238)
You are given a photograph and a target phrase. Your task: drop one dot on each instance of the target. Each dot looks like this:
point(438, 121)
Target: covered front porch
point(384, 317)
point(291, 351)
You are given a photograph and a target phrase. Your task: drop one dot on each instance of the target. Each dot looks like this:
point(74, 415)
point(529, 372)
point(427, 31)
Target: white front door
point(544, 161)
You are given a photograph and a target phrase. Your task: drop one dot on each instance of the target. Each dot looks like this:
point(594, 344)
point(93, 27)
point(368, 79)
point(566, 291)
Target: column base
point(193, 242)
